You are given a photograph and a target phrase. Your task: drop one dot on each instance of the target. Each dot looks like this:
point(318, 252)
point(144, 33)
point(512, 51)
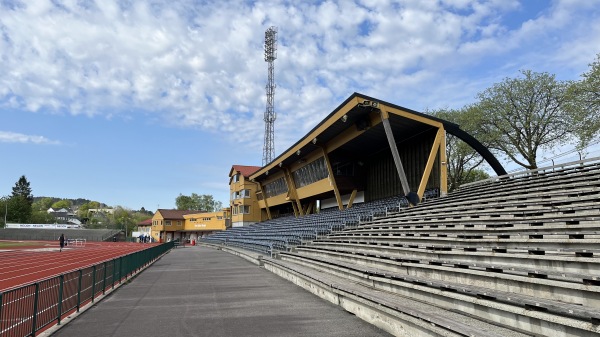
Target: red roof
point(246, 171)
point(146, 222)
point(175, 214)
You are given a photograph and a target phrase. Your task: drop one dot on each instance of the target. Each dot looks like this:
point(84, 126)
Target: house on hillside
point(64, 215)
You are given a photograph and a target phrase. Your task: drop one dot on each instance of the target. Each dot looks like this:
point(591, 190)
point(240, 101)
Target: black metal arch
point(455, 130)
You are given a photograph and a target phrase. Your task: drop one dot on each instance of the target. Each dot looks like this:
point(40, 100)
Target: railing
point(27, 310)
point(573, 164)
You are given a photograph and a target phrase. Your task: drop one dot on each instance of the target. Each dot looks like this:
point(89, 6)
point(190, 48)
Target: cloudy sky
point(133, 102)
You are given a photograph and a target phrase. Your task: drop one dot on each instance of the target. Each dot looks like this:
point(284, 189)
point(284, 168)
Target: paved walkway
point(198, 291)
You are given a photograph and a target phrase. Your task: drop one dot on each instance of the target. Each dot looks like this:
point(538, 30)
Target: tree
point(185, 202)
point(196, 202)
point(23, 189)
point(462, 159)
point(584, 99)
point(21, 200)
point(43, 204)
point(64, 203)
point(125, 219)
point(525, 115)
point(41, 217)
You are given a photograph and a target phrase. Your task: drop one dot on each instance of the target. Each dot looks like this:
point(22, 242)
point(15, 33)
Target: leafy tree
point(124, 219)
point(185, 202)
point(584, 98)
point(525, 115)
point(462, 159)
point(64, 203)
point(42, 204)
point(41, 217)
point(196, 202)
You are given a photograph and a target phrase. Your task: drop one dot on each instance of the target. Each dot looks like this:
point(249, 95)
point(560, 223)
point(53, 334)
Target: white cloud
point(200, 64)
point(14, 137)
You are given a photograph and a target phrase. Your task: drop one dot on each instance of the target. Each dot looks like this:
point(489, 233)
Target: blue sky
point(131, 103)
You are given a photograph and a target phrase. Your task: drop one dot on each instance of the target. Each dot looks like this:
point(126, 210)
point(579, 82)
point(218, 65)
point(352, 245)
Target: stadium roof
point(363, 138)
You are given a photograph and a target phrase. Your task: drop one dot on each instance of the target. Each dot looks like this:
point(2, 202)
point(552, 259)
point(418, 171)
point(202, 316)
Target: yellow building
point(172, 224)
point(243, 196)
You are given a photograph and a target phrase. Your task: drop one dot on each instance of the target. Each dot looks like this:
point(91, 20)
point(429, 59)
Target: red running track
point(20, 266)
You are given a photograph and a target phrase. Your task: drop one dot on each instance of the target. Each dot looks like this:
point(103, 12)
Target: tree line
point(520, 118)
point(22, 207)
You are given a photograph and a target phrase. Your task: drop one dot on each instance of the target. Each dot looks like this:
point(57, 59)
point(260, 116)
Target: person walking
point(61, 240)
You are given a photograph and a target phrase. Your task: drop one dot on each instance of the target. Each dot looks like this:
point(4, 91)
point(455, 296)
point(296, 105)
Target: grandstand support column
point(262, 191)
point(351, 200)
point(293, 194)
point(443, 166)
point(435, 149)
point(338, 197)
point(395, 154)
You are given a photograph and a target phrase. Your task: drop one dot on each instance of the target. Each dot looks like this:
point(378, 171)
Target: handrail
point(31, 308)
point(530, 172)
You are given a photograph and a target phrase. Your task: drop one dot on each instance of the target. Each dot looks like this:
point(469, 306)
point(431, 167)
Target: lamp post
point(5, 200)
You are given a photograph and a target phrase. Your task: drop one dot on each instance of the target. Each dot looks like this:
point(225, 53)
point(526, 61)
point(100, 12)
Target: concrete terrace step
point(413, 316)
point(534, 314)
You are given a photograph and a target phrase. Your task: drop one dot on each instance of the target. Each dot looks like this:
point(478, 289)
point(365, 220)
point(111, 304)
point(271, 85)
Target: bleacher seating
point(518, 252)
point(283, 233)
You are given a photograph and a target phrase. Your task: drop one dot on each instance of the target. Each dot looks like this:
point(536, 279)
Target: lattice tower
point(270, 56)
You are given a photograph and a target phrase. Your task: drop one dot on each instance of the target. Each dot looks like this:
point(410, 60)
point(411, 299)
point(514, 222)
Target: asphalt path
point(199, 291)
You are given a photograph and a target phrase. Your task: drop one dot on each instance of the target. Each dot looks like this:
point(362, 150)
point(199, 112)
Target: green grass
point(9, 244)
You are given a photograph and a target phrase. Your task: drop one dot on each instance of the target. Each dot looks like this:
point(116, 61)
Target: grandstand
point(517, 251)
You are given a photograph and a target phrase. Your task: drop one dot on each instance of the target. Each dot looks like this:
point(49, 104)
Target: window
point(178, 222)
point(206, 219)
point(193, 219)
point(219, 217)
point(310, 173)
point(276, 187)
point(234, 210)
point(245, 193)
point(244, 209)
point(167, 222)
point(236, 178)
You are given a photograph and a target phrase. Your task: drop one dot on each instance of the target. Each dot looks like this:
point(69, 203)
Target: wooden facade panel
point(316, 188)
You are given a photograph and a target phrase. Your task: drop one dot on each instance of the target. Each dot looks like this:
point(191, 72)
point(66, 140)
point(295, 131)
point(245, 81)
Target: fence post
point(120, 269)
point(1, 306)
point(114, 273)
point(60, 296)
point(104, 281)
point(79, 289)
point(93, 283)
point(35, 305)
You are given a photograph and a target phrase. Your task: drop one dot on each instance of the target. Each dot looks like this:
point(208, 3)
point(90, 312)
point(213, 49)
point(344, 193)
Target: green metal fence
point(26, 310)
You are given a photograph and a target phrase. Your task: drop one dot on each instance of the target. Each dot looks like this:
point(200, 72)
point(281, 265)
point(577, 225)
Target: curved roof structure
point(372, 138)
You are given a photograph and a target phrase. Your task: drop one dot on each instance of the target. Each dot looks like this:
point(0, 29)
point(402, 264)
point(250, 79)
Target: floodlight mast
point(270, 56)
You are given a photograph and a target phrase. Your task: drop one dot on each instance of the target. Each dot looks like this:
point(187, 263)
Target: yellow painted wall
point(205, 221)
point(251, 200)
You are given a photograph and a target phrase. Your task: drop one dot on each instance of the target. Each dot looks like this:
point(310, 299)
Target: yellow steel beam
point(390, 110)
point(293, 194)
point(430, 161)
point(308, 138)
point(351, 201)
point(260, 188)
point(338, 197)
